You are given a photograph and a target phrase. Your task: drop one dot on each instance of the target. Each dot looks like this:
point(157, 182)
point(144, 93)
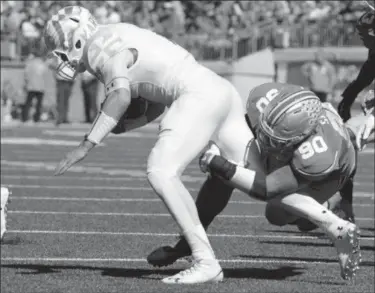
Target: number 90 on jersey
point(309, 148)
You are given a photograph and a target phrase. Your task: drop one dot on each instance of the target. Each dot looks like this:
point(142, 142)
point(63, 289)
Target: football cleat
point(202, 271)
point(345, 238)
point(167, 255)
point(4, 203)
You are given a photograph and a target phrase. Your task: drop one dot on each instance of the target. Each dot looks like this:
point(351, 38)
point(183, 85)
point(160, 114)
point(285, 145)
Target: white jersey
point(203, 106)
point(160, 68)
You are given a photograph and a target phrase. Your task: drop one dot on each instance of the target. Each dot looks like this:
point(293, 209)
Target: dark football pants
point(63, 93)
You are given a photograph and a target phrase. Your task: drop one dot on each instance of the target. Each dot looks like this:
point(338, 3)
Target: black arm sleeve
point(221, 167)
point(280, 182)
point(365, 77)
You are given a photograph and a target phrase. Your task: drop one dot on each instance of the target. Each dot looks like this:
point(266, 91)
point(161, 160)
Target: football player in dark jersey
point(366, 76)
point(321, 164)
point(366, 30)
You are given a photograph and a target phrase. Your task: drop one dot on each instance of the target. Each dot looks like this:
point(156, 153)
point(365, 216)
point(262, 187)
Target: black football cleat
point(167, 255)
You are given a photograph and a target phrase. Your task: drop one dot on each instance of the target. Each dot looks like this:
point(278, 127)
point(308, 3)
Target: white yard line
point(62, 187)
point(133, 175)
point(368, 178)
point(163, 215)
point(106, 199)
point(143, 260)
point(149, 234)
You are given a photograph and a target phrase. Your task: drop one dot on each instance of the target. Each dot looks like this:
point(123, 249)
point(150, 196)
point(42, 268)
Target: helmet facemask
point(272, 145)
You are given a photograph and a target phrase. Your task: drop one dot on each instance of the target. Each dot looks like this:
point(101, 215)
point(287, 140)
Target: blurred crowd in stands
point(193, 23)
point(211, 30)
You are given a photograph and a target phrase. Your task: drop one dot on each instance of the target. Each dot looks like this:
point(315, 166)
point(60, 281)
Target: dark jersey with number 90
point(327, 154)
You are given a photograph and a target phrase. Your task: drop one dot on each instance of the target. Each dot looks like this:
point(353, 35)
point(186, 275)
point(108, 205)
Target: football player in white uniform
point(132, 62)
point(4, 203)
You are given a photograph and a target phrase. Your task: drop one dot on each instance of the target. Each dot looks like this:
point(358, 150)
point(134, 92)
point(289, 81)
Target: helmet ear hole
point(74, 19)
point(78, 44)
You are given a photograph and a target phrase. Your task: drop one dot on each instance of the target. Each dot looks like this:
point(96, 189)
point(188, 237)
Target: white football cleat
point(345, 237)
point(4, 203)
point(202, 271)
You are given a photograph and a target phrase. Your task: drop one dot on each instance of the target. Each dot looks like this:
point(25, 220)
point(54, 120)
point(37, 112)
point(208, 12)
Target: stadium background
point(248, 42)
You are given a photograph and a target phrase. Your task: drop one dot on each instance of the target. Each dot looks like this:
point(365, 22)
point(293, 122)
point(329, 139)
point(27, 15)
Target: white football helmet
point(66, 34)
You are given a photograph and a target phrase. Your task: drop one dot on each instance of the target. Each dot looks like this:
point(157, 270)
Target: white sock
point(308, 208)
point(186, 197)
point(200, 245)
point(182, 208)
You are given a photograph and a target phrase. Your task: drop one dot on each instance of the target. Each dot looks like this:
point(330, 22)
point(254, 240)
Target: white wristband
point(103, 125)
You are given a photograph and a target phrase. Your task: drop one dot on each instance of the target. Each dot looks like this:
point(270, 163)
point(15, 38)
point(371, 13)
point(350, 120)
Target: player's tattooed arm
point(256, 184)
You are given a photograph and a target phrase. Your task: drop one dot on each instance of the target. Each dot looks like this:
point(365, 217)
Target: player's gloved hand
point(368, 103)
point(74, 157)
point(344, 111)
point(365, 131)
point(206, 158)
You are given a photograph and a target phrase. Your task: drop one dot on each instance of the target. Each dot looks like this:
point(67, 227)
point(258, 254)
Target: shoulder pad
point(316, 157)
point(101, 47)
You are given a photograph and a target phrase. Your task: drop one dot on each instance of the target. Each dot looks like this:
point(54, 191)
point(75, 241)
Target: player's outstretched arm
point(117, 90)
point(365, 77)
point(255, 183)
